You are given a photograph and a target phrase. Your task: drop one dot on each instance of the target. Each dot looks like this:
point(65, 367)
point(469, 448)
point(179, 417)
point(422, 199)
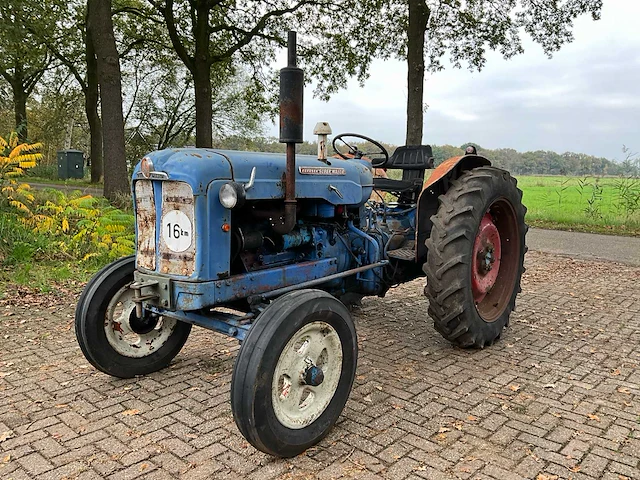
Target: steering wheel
point(376, 162)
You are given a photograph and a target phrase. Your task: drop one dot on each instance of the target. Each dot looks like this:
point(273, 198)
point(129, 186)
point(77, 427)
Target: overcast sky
point(585, 99)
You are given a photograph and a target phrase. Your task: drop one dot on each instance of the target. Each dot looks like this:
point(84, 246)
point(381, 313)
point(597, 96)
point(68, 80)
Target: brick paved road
point(558, 397)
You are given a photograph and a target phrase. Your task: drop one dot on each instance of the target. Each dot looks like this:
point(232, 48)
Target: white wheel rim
point(121, 336)
point(296, 404)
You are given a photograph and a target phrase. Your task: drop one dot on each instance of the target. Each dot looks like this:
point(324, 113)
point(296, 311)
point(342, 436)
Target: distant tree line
point(545, 162)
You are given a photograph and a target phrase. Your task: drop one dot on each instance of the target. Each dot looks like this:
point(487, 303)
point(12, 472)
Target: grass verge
point(609, 205)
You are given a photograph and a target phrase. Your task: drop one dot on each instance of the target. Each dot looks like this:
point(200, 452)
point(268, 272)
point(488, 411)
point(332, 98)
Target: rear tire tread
point(448, 263)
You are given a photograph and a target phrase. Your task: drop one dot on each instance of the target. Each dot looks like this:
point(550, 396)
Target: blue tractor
point(268, 248)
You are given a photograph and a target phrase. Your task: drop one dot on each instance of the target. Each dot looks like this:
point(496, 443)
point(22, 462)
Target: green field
point(589, 204)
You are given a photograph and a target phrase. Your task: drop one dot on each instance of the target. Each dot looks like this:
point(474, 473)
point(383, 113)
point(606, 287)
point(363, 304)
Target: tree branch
point(138, 12)
point(256, 30)
point(64, 60)
point(167, 12)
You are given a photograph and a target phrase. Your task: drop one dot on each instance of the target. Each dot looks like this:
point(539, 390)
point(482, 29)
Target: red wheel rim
point(495, 260)
point(485, 262)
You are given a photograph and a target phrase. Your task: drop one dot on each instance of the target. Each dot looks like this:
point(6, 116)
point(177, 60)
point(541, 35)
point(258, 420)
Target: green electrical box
point(70, 164)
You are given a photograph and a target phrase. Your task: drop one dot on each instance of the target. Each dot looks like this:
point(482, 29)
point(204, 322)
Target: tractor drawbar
point(291, 124)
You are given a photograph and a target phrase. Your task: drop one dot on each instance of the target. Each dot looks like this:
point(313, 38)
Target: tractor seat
point(414, 157)
point(391, 185)
point(411, 157)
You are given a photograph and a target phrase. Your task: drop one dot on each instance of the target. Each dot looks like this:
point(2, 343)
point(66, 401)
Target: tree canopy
point(203, 71)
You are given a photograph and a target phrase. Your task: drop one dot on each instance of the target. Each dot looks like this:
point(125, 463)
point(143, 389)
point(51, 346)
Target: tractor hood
point(340, 182)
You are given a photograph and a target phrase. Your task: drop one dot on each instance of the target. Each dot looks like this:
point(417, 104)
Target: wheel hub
point(313, 376)
point(307, 375)
point(131, 336)
point(143, 325)
point(485, 262)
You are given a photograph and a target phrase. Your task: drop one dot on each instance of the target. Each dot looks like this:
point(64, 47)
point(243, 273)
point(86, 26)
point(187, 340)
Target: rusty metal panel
point(436, 186)
point(177, 229)
point(146, 225)
point(442, 170)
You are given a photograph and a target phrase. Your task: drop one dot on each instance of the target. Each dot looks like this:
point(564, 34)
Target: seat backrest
point(411, 157)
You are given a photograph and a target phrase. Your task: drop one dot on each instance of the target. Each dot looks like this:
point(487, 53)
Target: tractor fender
point(437, 184)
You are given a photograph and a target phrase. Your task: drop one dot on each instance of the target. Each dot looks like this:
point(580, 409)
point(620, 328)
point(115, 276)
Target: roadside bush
point(68, 227)
point(44, 171)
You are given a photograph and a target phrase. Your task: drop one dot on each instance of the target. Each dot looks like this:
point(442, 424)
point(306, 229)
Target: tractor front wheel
point(294, 372)
point(112, 337)
point(475, 257)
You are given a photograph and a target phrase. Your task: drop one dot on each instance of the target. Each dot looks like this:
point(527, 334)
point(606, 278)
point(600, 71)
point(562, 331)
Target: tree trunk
point(91, 108)
point(116, 178)
point(202, 78)
point(204, 109)
point(418, 18)
point(20, 103)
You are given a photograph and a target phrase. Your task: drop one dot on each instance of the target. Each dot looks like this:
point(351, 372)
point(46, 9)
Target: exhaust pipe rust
point(291, 124)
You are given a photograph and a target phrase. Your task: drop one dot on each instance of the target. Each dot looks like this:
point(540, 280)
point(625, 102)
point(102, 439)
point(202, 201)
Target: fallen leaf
point(575, 469)
point(444, 429)
point(514, 388)
point(144, 466)
point(624, 390)
point(556, 414)
point(549, 385)
point(593, 417)
point(471, 418)
point(547, 477)
point(6, 435)
point(6, 459)
point(62, 405)
point(616, 372)
point(133, 411)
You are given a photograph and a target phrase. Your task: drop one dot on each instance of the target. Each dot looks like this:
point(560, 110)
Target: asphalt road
point(588, 246)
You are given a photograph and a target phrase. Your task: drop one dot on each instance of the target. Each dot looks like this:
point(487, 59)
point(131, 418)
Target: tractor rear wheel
point(294, 372)
point(475, 257)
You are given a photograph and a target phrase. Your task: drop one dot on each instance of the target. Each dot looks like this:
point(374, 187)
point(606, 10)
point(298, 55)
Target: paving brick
point(401, 469)
point(593, 465)
point(35, 464)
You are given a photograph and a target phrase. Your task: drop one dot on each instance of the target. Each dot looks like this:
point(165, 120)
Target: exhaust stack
point(291, 124)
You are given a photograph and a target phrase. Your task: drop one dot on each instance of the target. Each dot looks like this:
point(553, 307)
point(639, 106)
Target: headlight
point(146, 167)
point(232, 195)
